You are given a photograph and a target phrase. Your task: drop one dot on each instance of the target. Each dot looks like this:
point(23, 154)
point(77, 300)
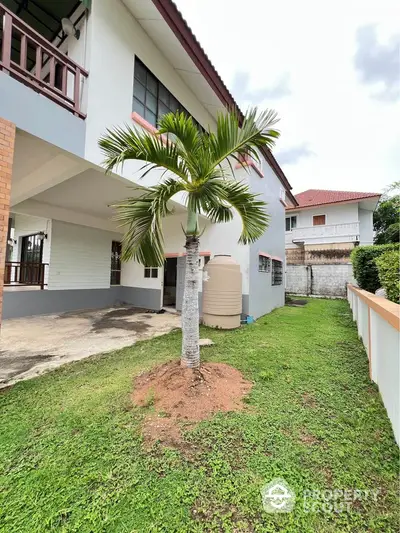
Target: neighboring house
point(121, 61)
point(321, 231)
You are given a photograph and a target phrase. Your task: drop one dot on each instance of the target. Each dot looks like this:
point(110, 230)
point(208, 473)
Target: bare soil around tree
point(182, 396)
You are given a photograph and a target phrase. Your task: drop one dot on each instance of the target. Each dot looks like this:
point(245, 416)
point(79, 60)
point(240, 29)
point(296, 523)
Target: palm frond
point(233, 140)
point(141, 217)
point(183, 129)
point(237, 195)
point(120, 144)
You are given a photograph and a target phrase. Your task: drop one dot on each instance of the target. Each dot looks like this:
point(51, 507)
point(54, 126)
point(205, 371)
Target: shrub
point(389, 274)
point(365, 269)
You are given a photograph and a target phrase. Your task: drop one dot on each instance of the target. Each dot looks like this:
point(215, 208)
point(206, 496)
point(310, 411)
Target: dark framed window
point(150, 272)
point(291, 223)
point(151, 99)
point(115, 276)
point(277, 272)
point(264, 264)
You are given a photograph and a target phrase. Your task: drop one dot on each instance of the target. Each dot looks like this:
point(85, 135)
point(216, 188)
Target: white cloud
point(354, 137)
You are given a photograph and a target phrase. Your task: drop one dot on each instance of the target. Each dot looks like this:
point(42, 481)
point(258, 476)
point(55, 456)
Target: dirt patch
point(308, 400)
point(184, 396)
point(307, 438)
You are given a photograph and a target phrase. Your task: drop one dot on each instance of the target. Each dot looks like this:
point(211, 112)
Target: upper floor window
point(151, 99)
point(277, 272)
point(291, 223)
point(319, 220)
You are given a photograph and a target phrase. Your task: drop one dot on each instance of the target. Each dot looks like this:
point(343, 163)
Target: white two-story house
point(320, 233)
point(68, 71)
point(328, 221)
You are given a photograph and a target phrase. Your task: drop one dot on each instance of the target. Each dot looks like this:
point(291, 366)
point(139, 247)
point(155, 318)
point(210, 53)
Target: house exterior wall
point(335, 214)
point(366, 227)
point(115, 38)
point(41, 117)
point(263, 296)
point(80, 257)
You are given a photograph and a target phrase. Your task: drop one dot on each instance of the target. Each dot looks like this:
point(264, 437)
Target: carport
point(31, 346)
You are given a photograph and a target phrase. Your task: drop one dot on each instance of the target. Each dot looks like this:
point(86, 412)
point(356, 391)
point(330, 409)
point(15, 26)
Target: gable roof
point(314, 197)
point(173, 17)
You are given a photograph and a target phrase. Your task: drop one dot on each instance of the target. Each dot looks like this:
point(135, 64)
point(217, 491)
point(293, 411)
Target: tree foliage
point(197, 164)
point(389, 274)
point(387, 216)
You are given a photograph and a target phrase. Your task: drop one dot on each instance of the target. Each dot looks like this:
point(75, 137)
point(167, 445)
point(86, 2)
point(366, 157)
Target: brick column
point(7, 141)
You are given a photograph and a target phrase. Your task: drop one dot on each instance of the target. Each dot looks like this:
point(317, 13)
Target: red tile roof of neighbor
point(320, 196)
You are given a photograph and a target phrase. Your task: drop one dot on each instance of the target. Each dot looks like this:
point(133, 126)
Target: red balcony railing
point(17, 274)
point(50, 72)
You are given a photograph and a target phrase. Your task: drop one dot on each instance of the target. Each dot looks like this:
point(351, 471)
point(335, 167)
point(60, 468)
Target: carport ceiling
point(91, 192)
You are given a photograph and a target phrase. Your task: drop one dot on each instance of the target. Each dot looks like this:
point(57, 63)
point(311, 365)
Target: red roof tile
point(319, 197)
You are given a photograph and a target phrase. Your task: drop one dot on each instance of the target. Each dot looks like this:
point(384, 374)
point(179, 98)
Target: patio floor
point(33, 345)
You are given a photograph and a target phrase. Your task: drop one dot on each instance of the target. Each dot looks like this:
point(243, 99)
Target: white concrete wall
point(263, 296)
point(318, 280)
point(366, 227)
point(132, 275)
point(80, 257)
point(382, 344)
point(115, 38)
point(385, 352)
point(335, 214)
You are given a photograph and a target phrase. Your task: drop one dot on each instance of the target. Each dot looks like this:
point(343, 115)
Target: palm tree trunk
point(190, 307)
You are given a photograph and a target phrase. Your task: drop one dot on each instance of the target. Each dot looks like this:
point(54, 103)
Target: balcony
point(349, 232)
point(28, 57)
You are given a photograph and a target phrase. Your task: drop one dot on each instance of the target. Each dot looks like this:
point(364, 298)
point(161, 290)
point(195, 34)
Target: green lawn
point(72, 459)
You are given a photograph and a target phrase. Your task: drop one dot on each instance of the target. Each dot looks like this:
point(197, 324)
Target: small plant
point(265, 375)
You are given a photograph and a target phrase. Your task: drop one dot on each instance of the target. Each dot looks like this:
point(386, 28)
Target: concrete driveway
point(33, 345)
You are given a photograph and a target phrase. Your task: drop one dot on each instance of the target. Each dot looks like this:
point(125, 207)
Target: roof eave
point(184, 34)
point(352, 200)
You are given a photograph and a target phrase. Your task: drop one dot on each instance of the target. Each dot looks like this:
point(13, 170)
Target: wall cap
point(386, 309)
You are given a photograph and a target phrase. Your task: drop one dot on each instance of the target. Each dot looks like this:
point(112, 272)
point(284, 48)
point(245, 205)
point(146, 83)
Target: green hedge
point(389, 274)
point(365, 269)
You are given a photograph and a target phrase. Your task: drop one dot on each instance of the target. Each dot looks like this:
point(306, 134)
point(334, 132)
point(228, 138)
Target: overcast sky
point(331, 70)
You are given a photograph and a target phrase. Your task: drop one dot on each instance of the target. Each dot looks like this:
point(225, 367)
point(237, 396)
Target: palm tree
point(198, 164)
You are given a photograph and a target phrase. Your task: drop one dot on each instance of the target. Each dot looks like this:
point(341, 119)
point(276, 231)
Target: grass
point(72, 458)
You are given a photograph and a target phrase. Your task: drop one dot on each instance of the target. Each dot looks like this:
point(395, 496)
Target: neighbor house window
point(319, 220)
point(277, 272)
point(150, 272)
point(264, 264)
point(116, 249)
point(151, 99)
point(291, 223)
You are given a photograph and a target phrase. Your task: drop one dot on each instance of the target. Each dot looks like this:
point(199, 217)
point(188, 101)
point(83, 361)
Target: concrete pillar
point(7, 142)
